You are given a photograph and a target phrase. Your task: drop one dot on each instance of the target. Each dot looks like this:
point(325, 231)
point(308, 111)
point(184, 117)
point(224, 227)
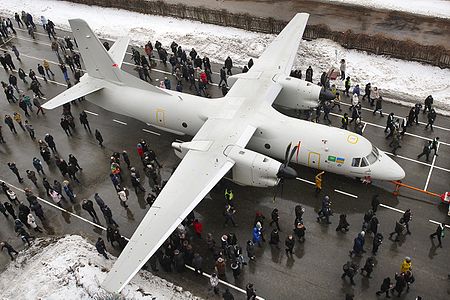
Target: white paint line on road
point(364, 127)
point(438, 223)
point(91, 113)
point(223, 282)
point(431, 169)
point(392, 208)
point(7, 41)
point(120, 122)
point(380, 126)
point(152, 132)
point(104, 229)
point(422, 123)
point(304, 180)
point(345, 193)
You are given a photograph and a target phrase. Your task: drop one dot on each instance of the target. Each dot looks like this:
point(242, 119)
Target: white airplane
point(240, 135)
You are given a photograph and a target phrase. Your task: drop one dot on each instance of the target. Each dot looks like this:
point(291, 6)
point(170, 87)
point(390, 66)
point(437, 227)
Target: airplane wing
point(280, 54)
point(196, 175)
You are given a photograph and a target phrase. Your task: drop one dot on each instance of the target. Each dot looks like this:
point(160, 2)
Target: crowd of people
point(188, 68)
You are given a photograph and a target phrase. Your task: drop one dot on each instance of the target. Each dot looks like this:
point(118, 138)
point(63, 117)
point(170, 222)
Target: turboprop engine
point(296, 93)
point(300, 94)
point(251, 168)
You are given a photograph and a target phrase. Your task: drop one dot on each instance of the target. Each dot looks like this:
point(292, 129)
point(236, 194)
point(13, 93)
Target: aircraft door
point(160, 120)
point(314, 160)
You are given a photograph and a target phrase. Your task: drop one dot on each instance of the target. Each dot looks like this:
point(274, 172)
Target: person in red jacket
point(198, 227)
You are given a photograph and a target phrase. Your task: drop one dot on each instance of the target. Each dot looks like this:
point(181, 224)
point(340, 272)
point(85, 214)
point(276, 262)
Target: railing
point(377, 44)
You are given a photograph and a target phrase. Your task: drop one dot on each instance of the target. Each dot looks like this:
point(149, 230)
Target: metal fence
point(378, 44)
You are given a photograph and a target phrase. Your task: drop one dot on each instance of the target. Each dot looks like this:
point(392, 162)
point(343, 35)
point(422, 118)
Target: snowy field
point(71, 268)
point(435, 8)
point(400, 81)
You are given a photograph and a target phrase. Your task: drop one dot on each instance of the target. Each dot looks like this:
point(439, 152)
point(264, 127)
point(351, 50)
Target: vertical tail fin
point(101, 64)
point(97, 60)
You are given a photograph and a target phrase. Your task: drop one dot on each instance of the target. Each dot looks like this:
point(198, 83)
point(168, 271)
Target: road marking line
point(7, 41)
point(223, 282)
point(304, 180)
point(422, 123)
point(152, 132)
point(431, 169)
point(345, 193)
point(380, 126)
point(120, 122)
point(364, 127)
point(392, 208)
point(438, 223)
point(90, 112)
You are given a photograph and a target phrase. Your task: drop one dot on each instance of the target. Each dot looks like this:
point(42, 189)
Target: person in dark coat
point(385, 287)
point(275, 218)
point(229, 65)
point(431, 118)
point(10, 209)
point(289, 243)
point(101, 248)
point(84, 120)
point(98, 137)
point(309, 74)
point(227, 295)
point(65, 126)
point(275, 238)
point(368, 266)
point(3, 210)
point(36, 207)
point(377, 241)
point(375, 203)
point(439, 233)
point(400, 284)
point(428, 103)
point(398, 230)
point(350, 269)
point(250, 291)
point(343, 224)
point(107, 213)
point(9, 248)
point(50, 142)
point(88, 206)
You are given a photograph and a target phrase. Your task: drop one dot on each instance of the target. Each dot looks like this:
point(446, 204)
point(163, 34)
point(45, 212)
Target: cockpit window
point(364, 162)
point(355, 162)
point(373, 156)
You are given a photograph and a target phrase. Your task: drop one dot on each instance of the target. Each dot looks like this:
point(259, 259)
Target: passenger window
point(364, 162)
point(355, 162)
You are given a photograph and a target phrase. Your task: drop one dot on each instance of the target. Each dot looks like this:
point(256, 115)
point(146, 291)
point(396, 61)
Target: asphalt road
point(314, 271)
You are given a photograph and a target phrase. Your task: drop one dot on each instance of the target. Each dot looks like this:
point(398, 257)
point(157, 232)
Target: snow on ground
point(435, 8)
point(71, 268)
point(400, 81)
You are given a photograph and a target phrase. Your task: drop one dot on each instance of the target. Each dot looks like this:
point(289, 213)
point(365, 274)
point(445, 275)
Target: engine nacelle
point(252, 168)
point(297, 93)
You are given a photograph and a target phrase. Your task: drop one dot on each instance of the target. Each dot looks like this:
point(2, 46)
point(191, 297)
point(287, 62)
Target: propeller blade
point(286, 156)
point(292, 154)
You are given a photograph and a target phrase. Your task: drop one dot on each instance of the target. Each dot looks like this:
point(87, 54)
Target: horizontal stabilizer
point(118, 50)
point(84, 87)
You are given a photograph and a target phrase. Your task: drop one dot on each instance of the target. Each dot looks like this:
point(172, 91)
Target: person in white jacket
point(123, 197)
point(56, 197)
point(32, 222)
point(214, 282)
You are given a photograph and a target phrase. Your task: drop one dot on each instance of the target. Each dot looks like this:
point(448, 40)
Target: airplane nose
point(387, 169)
point(326, 95)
